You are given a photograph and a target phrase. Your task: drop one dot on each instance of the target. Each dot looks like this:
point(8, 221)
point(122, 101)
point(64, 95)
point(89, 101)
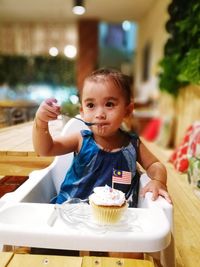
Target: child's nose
point(100, 114)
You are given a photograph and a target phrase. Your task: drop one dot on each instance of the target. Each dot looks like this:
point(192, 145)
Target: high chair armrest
point(42, 185)
point(24, 193)
point(160, 202)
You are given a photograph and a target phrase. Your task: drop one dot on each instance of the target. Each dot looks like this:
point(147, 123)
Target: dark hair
point(119, 79)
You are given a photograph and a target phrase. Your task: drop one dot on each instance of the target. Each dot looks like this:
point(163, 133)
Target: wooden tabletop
point(18, 138)
point(17, 156)
point(17, 103)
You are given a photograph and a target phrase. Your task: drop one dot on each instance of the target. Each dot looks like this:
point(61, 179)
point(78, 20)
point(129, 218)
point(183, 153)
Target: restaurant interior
point(48, 47)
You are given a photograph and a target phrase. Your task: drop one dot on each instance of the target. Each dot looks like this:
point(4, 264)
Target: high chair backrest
point(63, 163)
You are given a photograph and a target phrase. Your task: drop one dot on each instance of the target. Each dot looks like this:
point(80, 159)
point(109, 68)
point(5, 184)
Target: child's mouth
point(101, 127)
point(101, 124)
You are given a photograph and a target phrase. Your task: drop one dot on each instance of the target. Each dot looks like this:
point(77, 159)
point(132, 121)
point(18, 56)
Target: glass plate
point(77, 214)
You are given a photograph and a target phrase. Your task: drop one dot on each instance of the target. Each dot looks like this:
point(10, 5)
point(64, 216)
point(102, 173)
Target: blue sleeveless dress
point(93, 167)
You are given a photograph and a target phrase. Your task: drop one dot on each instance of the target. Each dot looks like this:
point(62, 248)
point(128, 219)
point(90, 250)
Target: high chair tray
point(43, 225)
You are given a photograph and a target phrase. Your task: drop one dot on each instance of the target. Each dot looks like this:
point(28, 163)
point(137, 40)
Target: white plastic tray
point(38, 225)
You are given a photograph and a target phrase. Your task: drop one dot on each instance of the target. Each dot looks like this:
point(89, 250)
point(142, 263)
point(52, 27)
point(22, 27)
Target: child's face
point(104, 104)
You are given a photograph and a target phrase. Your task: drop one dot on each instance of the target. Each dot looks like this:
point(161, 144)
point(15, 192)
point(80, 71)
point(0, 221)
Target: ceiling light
point(53, 51)
point(126, 25)
point(78, 7)
point(70, 51)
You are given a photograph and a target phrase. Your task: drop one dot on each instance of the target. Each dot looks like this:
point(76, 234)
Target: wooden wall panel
point(87, 49)
point(187, 110)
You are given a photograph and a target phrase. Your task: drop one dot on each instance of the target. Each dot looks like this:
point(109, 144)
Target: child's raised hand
point(157, 188)
point(48, 110)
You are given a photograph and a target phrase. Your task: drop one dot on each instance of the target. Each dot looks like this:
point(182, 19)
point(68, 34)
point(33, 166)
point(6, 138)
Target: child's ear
point(129, 109)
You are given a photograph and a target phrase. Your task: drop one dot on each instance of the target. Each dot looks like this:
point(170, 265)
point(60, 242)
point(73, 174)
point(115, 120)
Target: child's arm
point(156, 172)
point(43, 143)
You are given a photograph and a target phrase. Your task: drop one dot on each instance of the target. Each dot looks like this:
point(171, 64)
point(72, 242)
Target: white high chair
point(44, 184)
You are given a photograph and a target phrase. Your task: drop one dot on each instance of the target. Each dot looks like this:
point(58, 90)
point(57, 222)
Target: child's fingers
point(48, 110)
point(166, 195)
point(163, 193)
point(143, 191)
point(155, 194)
point(52, 106)
point(50, 101)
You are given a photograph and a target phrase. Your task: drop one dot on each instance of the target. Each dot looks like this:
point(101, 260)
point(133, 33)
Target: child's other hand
point(48, 110)
point(157, 189)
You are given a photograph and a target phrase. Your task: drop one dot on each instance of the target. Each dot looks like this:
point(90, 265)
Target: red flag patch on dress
point(121, 177)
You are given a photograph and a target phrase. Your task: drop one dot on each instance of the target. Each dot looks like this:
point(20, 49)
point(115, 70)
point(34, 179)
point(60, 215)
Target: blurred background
point(47, 50)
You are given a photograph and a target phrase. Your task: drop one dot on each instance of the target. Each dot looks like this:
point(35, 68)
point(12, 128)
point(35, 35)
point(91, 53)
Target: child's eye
point(90, 105)
point(110, 104)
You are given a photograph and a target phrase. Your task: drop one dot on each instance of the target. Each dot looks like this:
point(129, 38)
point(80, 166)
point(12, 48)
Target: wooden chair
point(17, 115)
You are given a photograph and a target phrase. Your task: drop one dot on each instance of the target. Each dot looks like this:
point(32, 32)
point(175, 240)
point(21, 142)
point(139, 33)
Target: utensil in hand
point(86, 123)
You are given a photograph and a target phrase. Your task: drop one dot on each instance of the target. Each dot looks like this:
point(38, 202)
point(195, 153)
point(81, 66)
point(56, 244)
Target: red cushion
point(188, 147)
point(152, 129)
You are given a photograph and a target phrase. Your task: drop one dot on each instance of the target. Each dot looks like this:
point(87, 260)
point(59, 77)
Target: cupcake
point(108, 204)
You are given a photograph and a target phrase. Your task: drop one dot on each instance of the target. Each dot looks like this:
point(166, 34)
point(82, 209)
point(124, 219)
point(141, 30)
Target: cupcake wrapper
point(107, 215)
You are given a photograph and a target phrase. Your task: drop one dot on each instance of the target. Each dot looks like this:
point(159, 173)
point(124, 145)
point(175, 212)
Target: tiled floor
point(11, 183)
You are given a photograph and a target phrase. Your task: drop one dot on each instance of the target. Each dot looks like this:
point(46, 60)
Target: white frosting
point(107, 196)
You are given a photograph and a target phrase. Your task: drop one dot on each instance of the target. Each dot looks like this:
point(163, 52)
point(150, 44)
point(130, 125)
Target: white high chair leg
point(168, 255)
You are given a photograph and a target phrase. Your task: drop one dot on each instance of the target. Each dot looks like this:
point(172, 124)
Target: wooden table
point(15, 111)
point(17, 156)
